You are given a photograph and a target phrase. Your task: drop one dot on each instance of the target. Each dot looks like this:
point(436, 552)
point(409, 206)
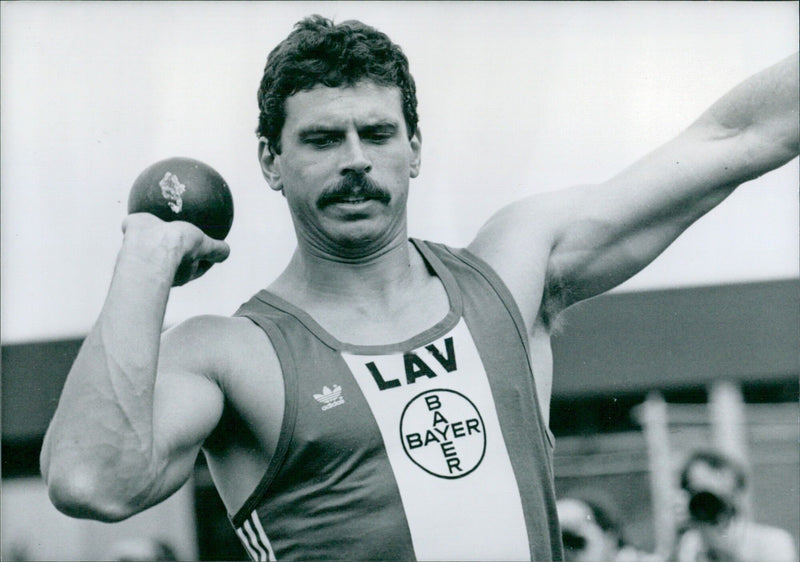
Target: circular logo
point(443, 433)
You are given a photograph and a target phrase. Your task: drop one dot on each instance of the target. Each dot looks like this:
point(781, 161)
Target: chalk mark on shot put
point(171, 190)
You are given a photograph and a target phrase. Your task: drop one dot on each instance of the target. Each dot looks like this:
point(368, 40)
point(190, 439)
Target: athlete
point(384, 397)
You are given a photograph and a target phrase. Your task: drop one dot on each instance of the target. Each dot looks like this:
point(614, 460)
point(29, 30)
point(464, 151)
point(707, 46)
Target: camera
point(573, 541)
point(711, 508)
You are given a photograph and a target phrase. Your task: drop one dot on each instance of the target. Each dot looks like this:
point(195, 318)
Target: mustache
point(354, 184)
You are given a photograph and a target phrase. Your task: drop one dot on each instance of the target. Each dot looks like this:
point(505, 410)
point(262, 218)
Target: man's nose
point(355, 158)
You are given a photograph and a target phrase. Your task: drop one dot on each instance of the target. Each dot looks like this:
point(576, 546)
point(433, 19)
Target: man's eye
point(378, 137)
point(321, 142)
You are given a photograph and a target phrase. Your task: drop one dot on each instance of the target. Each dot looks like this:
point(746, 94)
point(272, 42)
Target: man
point(717, 527)
point(384, 398)
point(592, 529)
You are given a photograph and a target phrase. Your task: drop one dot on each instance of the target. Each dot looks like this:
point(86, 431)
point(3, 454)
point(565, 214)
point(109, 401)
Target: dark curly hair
point(317, 52)
point(605, 511)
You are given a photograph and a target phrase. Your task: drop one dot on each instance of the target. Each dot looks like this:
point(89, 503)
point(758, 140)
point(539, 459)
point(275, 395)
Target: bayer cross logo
point(443, 433)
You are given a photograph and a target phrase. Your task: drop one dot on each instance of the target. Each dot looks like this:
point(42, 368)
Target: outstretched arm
point(558, 248)
point(121, 438)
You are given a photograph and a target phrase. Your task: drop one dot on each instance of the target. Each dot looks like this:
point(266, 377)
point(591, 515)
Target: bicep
point(608, 232)
point(557, 248)
point(187, 403)
point(561, 247)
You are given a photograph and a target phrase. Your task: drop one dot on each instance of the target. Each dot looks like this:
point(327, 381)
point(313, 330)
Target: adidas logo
point(330, 398)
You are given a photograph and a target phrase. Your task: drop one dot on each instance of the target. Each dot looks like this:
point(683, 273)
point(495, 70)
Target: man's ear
point(416, 153)
point(270, 166)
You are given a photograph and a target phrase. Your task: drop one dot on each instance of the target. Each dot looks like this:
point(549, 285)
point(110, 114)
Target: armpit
point(555, 299)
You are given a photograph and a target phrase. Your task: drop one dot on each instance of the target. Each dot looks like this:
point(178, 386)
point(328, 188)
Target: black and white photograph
point(426, 280)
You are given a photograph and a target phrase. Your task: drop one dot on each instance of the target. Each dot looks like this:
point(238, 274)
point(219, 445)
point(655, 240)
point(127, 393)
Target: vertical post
point(728, 424)
point(653, 418)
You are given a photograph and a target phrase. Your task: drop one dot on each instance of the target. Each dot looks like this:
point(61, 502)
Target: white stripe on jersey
point(255, 555)
point(263, 536)
point(255, 540)
point(441, 432)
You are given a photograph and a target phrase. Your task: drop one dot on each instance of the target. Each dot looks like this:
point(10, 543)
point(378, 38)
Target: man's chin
point(360, 239)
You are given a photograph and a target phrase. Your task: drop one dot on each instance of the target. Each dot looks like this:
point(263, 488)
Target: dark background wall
point(679, 338)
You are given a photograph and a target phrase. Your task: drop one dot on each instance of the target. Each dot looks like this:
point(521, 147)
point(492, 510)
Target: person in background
point(716, 526)
point(592, 529)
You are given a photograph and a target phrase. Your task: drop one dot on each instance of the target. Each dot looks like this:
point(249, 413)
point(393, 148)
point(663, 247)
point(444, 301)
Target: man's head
point(339, 136)
point(715, 485)
point(319, 52)
point(590, 526)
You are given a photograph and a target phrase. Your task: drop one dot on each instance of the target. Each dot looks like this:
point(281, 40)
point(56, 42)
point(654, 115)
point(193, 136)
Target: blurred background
point(698, 349)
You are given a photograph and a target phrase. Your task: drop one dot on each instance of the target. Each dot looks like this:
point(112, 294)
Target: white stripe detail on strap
point(255, 540)
point(262, 553)
point(263, 536)
point(246, 543)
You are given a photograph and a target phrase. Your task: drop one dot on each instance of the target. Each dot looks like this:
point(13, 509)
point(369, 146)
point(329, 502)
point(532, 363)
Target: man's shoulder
point(223, 344)
point(768, 535)
point(221, 329)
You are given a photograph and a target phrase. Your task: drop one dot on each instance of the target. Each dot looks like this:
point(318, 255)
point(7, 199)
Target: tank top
point(429, 449)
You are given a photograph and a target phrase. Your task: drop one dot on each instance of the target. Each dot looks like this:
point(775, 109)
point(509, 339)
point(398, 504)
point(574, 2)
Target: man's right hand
point(181, 248)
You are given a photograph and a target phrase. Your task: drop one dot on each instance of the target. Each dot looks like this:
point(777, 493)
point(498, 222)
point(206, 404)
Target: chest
point(383, 321)
point(423, 427)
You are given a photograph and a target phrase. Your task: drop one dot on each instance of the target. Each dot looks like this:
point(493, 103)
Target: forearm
point(99, 449)
point(763, 114)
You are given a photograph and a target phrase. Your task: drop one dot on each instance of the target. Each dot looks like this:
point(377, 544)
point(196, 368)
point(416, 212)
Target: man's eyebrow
point(318, 130)
point(382, 126)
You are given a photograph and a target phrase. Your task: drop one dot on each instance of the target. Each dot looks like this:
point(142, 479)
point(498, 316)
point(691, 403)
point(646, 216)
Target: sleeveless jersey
point(429, 449)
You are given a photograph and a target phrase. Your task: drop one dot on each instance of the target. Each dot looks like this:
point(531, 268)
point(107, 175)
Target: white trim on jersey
point(255, 539)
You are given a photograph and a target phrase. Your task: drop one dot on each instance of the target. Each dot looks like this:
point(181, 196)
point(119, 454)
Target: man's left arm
point(587, 239)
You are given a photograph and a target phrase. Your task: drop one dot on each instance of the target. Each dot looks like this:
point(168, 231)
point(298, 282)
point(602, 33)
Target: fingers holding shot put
point(179, 245)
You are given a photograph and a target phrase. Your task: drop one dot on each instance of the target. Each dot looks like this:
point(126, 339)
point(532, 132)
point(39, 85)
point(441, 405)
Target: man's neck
point(312, 276)
point(385, 299)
